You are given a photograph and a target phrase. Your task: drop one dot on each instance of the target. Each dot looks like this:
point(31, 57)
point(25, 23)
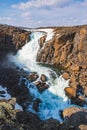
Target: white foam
point(6, 95)
point(49, 32)
point(18, 107)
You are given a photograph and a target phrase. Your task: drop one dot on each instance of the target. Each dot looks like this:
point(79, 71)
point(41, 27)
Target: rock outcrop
point(74, 119)
point(12, 38)
point(10, 78)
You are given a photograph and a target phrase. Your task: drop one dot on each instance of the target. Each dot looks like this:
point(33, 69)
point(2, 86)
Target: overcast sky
point(36, 13)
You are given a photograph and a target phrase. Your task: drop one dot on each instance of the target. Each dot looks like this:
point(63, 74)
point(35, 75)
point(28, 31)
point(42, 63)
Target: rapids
point(53, 99)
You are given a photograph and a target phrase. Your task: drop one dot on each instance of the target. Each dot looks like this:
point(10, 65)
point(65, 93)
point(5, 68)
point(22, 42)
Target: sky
point(43, 13)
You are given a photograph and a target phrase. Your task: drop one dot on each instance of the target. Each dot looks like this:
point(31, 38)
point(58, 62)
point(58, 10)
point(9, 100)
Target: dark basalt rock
point(10, 78)
point(36, 104)
point(43, 78)
point(41, 86)
point(11, 119)
point(50, 124)
point(32, 76)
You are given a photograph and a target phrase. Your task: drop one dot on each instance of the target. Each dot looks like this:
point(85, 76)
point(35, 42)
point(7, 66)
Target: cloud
point(26, 14)
point(5, 18)
point(41, 3)
point(84, 3)
point(35, 13)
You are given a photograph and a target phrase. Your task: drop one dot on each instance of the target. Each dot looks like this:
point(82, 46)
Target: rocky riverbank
point(15, 119)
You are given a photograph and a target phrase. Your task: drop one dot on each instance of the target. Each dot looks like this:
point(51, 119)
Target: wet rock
point(41, 86)
point(65, 76)
point(36, 104)
point(37, 83)
point(79, 100)
point(2, 92)
point(43, 78)
point(32, 76)
point(52, 74)
point(70, 92)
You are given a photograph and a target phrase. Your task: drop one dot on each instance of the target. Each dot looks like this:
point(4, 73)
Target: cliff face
point(68, 48)
point(66, 43)
point(12, 38)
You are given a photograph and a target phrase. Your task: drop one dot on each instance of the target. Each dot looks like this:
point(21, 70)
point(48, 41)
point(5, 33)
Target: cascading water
point(53, 99)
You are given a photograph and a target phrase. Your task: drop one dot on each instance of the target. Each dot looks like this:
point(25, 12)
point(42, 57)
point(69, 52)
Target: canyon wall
point(68, 48)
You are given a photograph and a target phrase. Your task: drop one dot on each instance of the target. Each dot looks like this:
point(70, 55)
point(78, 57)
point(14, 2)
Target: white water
point(54, 98)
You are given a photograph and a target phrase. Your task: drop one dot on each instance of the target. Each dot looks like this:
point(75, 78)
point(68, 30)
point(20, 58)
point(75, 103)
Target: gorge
point(38, 89)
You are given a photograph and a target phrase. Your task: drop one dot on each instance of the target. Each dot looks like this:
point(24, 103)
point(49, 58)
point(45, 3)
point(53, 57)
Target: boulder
point(43, 78)
point(65, 76)
point(41, 86)
point(82, 127)
point(74, 117)
point(37, 83)
point(32, 76)
point(70, 92)
point(67, 112)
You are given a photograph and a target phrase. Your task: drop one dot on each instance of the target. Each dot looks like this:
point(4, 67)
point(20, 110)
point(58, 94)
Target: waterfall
point(53, 100)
